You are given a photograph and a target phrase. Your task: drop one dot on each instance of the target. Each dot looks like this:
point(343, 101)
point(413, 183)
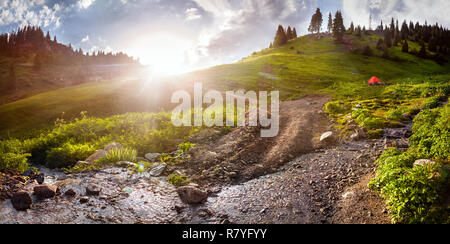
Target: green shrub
point(68, 155)
point(414, 195)
point(365, 119)
point(431, 134)
point(14, 162)
point(185, 147)
point(178, 180)
point(119, 155)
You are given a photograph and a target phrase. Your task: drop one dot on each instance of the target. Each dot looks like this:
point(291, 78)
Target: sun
point(164, 53)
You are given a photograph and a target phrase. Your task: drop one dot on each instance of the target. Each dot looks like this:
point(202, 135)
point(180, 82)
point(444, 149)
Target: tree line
point(283, 36)
point(434, 38)
point(31, 42)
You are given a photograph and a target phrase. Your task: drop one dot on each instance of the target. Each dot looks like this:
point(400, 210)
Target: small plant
point(178, 180)
point(119, 155)
point(185, 147)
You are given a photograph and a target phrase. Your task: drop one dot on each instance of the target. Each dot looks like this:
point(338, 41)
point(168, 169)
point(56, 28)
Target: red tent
point(374, 81)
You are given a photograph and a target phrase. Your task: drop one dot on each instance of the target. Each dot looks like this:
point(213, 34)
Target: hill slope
point(312, 64)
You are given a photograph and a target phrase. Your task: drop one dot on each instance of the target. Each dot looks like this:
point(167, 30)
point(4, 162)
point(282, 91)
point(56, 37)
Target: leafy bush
point(119, 155)
point(14, 162)
point(414, 195)
point(68, 155)
point(431, 134)
point(178, 180)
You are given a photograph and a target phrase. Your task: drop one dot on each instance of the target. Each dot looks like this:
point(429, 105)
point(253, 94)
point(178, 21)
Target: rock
point(96, 156)
point(158, 170)
point(126, 164)
point(152, 156)
point(84, 200)
point(113, 146)
point(45, 191)
point(191, 195)
point(93, 190)
point(327, 138)
point(424, 163)
point(70, 193)
point(40, 178)
point(21, 201)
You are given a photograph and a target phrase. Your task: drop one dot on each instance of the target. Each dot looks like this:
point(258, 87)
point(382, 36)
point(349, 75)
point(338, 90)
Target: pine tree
point(352, 28)
point(387, 39)
point(405, 47)
point(396, 38)
point(405, 31)
point(295, 33)
point(330, 23)
point(271, 45)
point(316, 22)
point(280, 38)
point(358, 31)
point(423, 50)
point(289, 33)
point(432, 45)
point(338, 27)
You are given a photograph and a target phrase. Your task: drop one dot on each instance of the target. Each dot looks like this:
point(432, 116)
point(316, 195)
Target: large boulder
point(45, 191)
point(96, 156)
point(21, 201)
point(191, 194)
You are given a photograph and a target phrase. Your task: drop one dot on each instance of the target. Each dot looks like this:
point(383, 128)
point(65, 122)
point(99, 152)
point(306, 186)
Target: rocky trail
point(237, 178)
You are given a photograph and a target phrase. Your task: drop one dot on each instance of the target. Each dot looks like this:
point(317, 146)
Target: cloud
point(33, 12)
point(192, 14)
point(416, 10)
point(84, 4)
point(240, 27)
point(85, 39)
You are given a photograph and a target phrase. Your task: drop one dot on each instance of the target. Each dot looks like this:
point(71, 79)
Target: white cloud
point(238, 27)
point(192, 14)
point(33, 12)
point(84, 4)
point(85, 39)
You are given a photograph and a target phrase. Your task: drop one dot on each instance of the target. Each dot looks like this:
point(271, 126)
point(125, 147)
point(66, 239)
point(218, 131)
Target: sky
point(175, 36)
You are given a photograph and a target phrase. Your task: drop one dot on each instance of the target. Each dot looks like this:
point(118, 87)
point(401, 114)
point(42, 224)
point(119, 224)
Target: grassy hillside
point(305, 65)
